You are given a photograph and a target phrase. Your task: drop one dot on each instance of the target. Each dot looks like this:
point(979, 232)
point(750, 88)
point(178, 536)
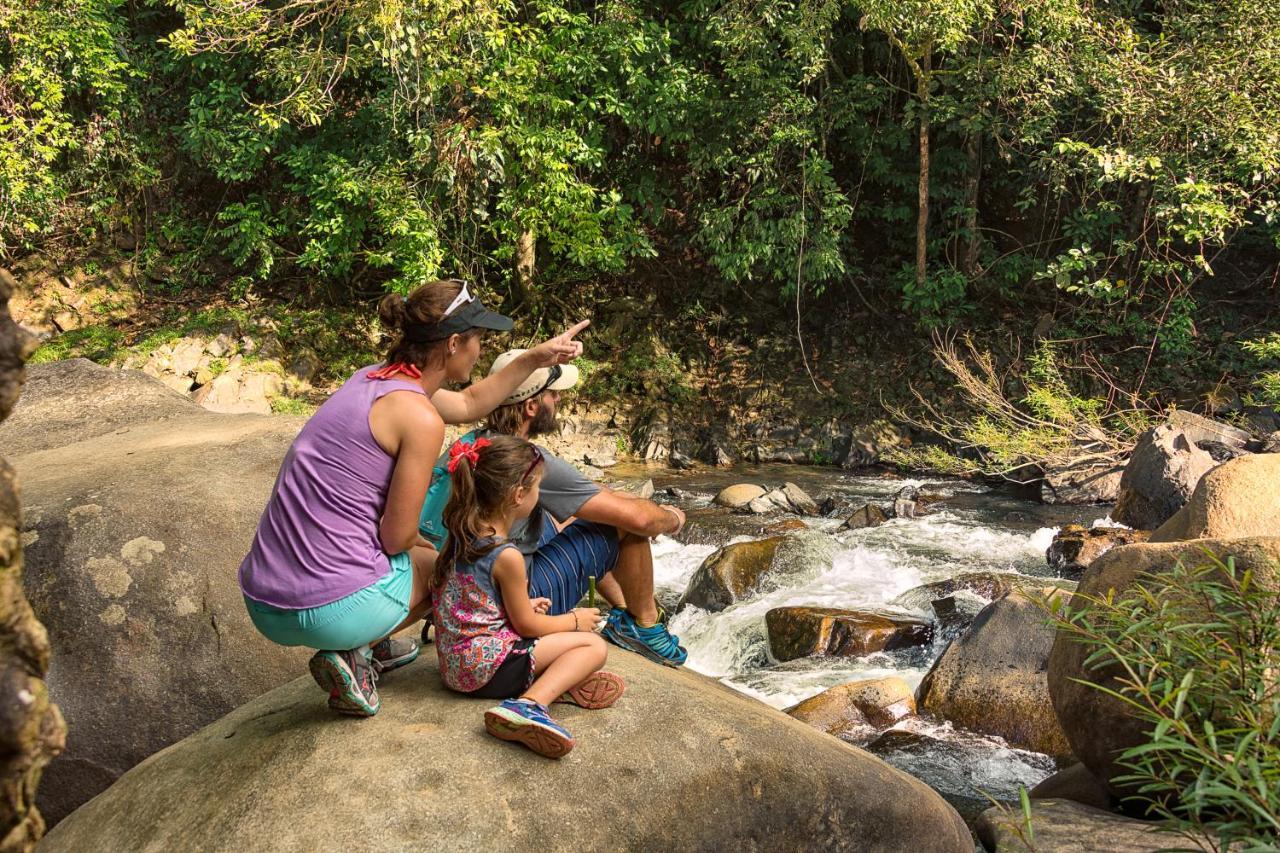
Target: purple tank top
point(317, 540)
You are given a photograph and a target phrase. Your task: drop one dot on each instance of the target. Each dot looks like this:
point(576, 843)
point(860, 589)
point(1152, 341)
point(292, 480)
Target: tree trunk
point(31, 729)
point(922, 221)
point(526, 264)
point(973, 247)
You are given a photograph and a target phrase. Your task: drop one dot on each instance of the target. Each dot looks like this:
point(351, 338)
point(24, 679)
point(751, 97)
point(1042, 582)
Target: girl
point(492, 640)
point(337, 563)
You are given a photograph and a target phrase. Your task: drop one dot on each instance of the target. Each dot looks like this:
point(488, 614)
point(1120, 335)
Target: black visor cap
point(472, 315)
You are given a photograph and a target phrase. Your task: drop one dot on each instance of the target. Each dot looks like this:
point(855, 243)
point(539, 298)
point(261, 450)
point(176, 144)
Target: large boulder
point(1098, 726)
point(1075, 547)
point(1064, 826)
point(992, 678)
point(1078, 485)
point(1238, 498)
point(796, 632)
point(31, 729)
point(689, 765)
point(738, 496)
point(134, 542)
point(1077, 784)
point(69, 401)
point(742, 569)
point(858, 707)
point(1160, 477)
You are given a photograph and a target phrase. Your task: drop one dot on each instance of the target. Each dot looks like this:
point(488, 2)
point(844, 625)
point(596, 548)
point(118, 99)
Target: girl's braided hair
point(484, 476)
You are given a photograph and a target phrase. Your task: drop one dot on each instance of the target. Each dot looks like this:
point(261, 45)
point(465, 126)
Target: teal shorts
point(363, 617)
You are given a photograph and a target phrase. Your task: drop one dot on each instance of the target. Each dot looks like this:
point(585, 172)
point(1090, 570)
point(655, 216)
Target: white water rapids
point(973, 530)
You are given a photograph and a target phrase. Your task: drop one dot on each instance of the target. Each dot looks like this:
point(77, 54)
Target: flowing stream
point(972, 528)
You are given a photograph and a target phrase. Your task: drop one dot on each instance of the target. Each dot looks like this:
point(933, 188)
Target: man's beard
point(545, 422)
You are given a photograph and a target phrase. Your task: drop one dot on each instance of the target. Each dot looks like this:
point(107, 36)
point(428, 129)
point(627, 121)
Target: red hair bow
point(466, 450)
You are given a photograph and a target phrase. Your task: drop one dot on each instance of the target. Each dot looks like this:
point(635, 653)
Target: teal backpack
point(431, 521)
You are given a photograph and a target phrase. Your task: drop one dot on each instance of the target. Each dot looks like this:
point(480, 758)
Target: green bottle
point(591, 590)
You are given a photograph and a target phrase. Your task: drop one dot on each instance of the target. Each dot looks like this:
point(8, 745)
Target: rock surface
point(796, 632)
point(992, 678)
point(1077, 784)
point(736, 497)
point(738, 570)
point(1238, 498)
point(1097, 726)
point(1090, 484)
point(1075, 548)
point(867, 515)
point(854, 708)
point(69, 401)
point(1064, 826)
point(31, 728)
point(1201, 429)
point(988, 585)
point(423, 775)
point(134, 547)
point(1160, 477)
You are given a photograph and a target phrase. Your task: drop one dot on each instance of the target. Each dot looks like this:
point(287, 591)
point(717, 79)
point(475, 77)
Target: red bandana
point(392, 369)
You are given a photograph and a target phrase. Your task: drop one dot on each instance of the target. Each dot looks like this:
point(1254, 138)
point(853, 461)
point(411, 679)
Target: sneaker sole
point(395, 663)
point(343, 697)
point(598, 690)
point(639, 647)
point(516, 729)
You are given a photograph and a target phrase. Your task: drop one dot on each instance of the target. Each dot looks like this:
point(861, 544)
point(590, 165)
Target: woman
point(337, 563)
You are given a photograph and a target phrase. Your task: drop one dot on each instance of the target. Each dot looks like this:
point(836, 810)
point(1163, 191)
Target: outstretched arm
point(633, 514)
point(481, 398)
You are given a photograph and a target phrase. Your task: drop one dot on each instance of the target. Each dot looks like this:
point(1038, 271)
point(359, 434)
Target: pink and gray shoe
point(350, 679)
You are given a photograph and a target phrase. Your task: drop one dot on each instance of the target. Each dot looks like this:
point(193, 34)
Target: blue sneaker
point(655, 643)
point(527, 722)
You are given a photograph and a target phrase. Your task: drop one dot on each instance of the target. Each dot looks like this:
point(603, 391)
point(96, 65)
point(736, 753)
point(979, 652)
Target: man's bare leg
point(610, 591)
point(634, 574)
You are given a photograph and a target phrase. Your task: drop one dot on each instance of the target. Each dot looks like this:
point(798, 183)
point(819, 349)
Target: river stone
point(1074, 548)
point(69, 401)
point(737, 497)
point(956, 612)
point(1099, 727)
point(1238, 498)
point(689, 764)
point(796, 632)
point(850, 709)
point(1201, 429)
point(991, 679)
point(786, 525)
point(1064, 826)
point(135, 543)
point(1160, 477)
point(867, 515)
point(729, 574)
point(1080, 485)
point(799, 499)
point(738, 570)
point(1077, 784)
point(988, 585)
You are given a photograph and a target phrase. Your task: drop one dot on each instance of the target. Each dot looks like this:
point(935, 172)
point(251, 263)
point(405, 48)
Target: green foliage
point(96, 343)
point(1195, 651)
point(1048, 424)
point(1266, 352)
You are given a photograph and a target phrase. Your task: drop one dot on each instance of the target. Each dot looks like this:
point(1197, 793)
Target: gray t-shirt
point(562, 493)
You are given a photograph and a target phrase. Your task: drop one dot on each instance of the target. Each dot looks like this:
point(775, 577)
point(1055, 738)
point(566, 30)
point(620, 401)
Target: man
point(579, 529)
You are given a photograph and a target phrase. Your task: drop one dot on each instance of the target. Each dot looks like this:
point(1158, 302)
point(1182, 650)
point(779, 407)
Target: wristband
point(575, 620)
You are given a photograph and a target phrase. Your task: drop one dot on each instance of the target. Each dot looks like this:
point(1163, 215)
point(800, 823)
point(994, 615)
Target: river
point(973, 528)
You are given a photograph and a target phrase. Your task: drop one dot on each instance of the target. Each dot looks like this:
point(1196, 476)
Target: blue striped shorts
point(563, 561)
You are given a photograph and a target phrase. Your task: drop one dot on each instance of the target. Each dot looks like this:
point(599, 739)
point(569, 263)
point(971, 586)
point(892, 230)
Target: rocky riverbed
point(963, 527)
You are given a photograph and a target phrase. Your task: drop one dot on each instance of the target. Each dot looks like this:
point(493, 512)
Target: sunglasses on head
point(537, 460)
